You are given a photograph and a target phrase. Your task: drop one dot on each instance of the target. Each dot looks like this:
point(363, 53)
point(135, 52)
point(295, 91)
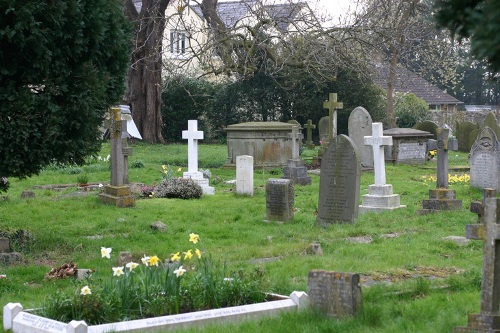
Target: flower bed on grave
point(152, 294)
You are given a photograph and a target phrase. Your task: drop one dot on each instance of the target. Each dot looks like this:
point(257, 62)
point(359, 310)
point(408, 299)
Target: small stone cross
point(442, 144)
point(378, 141)
point(332, 105)
point(309, 127)
point(489, 231)
point(192, 135)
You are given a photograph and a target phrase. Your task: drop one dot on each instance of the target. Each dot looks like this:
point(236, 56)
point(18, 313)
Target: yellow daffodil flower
point(175, 257)
point(106, 252)
point(85, 291)
point(164, 167)
point(131, 265)
point(117, 271)
point(153, 261)
point(188, 255)
point(145, 261)
point(179, 271)
point(194, 238)
point(198, 253)
point(179, 170)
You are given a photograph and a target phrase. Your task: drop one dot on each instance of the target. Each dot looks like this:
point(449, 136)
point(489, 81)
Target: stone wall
point(451, 118)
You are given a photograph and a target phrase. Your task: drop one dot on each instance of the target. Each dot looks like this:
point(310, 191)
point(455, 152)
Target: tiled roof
point(284, 14)
point(409, 82)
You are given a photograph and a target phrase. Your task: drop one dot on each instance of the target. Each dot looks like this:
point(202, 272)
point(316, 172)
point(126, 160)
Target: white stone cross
point(378, 141)
point(192, 135)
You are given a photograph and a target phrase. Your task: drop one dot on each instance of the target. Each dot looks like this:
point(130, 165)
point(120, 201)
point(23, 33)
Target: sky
point(337, 9)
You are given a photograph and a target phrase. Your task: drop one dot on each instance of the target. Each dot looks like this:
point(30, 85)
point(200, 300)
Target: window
point(177, 42)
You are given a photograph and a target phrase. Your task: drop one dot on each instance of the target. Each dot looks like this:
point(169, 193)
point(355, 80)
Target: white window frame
point(178, 41)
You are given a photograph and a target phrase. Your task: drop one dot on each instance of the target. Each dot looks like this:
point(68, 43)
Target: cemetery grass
point(413, 280)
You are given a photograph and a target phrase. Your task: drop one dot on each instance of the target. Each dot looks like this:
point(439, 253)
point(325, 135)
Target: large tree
point(144, 79)
point(62, 64)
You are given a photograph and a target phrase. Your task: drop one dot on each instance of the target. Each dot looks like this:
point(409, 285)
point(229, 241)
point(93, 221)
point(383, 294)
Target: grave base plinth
point(481, 323)
point(119, 196)
point(379, 199)
point(440, 199)
point(297, 171)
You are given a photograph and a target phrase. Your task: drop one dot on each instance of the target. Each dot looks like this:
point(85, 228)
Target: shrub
point(183, 188)
point(410, 109)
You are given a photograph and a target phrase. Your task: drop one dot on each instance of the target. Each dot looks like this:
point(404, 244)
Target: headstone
point(309, 127)
point(360, 125)
point(339, 183)
point(491, 122)
point(193, 135)
point(244, 175)
point(117, 193)
point(8, 257)
point(336, 294)
point(409, 146)
point(295, 168)
point(428, 126)
point(323, 126)
point(380, 196)
point(300, 136)
point(488, 320)
point(442, 198)
point(463, 132)
point(332, 105)
point(279, 199)
point(484, 161)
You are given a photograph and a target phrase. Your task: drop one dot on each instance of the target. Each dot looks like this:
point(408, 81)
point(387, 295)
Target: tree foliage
point(62, 64)
point(478, 20)
point(410, 110)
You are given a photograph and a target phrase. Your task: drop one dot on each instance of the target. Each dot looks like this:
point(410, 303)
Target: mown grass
point(67, 226)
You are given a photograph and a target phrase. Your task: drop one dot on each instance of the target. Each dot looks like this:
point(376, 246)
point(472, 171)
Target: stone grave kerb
point(309, 126)
point(192, 135)
point(332, 105)
point(488, 320)
point(378, 141)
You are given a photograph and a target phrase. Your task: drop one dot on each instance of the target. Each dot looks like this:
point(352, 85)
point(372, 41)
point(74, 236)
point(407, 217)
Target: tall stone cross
point(332, 105)
point(378, 141)
point(309, 127)
point(117, 126)
point(295, 136)
point(442, 144)
point(192, 135)
point(489, 231)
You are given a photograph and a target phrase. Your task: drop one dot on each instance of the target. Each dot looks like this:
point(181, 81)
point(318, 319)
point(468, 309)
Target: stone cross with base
point(488, 320)
point(332, 105)
point(309, 127)
point(193, 135)
point(295, 137)
point(441, 198)
point(380, 196)
point(295, 168)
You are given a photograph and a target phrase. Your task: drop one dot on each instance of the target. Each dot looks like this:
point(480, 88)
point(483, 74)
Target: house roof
point(410, 82)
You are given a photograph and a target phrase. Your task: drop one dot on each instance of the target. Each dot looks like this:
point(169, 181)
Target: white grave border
point(17, 320)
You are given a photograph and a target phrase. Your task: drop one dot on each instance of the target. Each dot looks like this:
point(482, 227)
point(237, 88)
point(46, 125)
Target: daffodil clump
point(452, 179)
point(167, 172)
point(185, 281)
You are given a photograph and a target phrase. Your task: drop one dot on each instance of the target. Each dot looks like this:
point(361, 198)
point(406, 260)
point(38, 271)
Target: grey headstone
point(336, 294)
point(279, 199)
point(428, 126)
point(323, 127)
point(491, 122)
point(463, 132)
point(339, 183)
point(484, 161)
point(360, 125)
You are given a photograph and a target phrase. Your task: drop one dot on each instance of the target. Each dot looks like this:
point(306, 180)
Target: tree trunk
point(144, 86)
point(393, 63)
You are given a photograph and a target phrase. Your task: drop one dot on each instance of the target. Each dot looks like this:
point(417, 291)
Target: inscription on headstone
point(336, 294)
point(339, 183)
point(279, 199)
point(411, 151)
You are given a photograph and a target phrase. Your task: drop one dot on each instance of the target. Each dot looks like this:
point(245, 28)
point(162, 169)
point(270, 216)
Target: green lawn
point(419, 282)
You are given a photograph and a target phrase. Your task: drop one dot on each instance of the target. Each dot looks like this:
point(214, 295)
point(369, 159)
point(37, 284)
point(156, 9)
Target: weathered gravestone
point(279, 199)
point(428, 126)
point(465, 136)
point(380, 196)
point(295, 168)
point(244, 175)
point(300, 136)
point(323, 126)
point(484, 161)
point(339, 183)
point(117, 193)
point(442, 198)
point(409, 146)
point(491, 122)
point(336, 294)
point(309, 127)
point(360, 125)
point(488, 320)
point(193, 135)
